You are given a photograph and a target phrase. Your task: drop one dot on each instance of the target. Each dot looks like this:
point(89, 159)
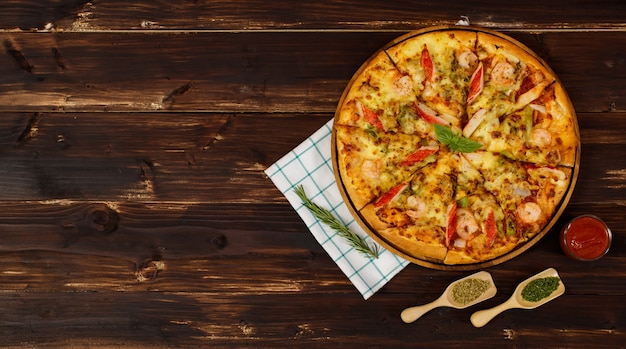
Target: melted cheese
point(446, 92)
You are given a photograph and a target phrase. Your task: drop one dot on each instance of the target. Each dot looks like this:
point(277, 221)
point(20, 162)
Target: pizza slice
point(542, 133)
point(379, 92)
point(528, 194)
point(552, 184)
point(372, 161)
point(416, 216)
point(507, 79)
point(440, 65)
point(481, 230)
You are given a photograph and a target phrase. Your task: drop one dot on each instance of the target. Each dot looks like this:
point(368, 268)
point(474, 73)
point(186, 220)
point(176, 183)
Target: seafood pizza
point(455, 145)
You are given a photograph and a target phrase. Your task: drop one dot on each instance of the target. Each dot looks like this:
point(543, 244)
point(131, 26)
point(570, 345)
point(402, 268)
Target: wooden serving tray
point(430, 264)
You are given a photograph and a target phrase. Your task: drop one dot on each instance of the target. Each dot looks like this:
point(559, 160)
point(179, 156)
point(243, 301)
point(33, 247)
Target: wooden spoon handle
point(411, 314)
point(482, 317)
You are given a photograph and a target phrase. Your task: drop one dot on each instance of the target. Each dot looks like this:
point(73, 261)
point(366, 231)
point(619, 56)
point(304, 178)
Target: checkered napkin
point(309, 165)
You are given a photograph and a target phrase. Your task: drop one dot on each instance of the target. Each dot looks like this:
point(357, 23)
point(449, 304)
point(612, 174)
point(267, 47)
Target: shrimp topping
point(503, 74)
point(467, 59)
point(371, 168)
point(540, 137)
point(417, 207)
point(403, 85)
point(466, 224)
point(529, 212)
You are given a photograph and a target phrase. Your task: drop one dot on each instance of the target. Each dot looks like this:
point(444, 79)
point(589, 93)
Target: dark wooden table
point(134, 210)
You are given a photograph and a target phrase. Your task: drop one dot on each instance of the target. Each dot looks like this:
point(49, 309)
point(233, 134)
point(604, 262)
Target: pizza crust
point(354, 191)
point(454, 256)
point(412, 242)
point(566, 118)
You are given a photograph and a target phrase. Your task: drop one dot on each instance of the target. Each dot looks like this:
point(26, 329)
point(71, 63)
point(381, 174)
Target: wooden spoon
point(411, 314)
point(482, 317)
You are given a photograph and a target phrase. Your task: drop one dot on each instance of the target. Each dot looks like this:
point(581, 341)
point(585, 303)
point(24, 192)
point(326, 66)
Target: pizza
point(455, 146)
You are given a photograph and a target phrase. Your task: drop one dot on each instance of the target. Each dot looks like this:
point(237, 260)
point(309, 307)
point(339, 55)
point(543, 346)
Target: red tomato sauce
point(586, 237)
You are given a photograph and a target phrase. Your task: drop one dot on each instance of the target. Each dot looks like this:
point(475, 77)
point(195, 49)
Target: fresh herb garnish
point(357, 242)
point(455, 141)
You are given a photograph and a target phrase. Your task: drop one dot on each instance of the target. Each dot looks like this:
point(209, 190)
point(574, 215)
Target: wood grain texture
point(134, 210)
point(201, 320)
point(227, 297)
point(300, 72)
point(208, 158)
point(200, 248)
point(404, 15)
point(180, 157)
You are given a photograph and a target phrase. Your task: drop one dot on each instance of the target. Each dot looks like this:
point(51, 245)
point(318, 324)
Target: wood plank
point(79, 247)
point(90, 293)
point(250, 72)
point(165, 269)
point(70, 247)
point(83, 15)
point(166, 319)
point(210, 158)
point(220, 72)
point(187, 157)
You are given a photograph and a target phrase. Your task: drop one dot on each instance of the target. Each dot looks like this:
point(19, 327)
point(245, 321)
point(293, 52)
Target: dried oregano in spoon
point(357, 242)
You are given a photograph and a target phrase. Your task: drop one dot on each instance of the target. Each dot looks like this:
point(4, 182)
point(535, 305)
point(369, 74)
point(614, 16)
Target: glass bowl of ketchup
point(586, 238)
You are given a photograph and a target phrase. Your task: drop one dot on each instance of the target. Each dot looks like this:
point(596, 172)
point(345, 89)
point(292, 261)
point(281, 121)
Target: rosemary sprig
point(357, 242)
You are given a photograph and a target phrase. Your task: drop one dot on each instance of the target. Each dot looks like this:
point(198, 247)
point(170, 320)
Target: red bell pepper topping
point(427, 63)
point(370, 116)
point(419, 155)
point(451, 218)
point(391, 194)
point(476, 83)
point(490, 228)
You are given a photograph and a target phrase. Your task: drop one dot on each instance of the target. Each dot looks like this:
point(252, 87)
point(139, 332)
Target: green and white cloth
point(310, 165)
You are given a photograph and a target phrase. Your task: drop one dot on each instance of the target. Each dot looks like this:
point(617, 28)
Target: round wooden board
point(435, 265)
